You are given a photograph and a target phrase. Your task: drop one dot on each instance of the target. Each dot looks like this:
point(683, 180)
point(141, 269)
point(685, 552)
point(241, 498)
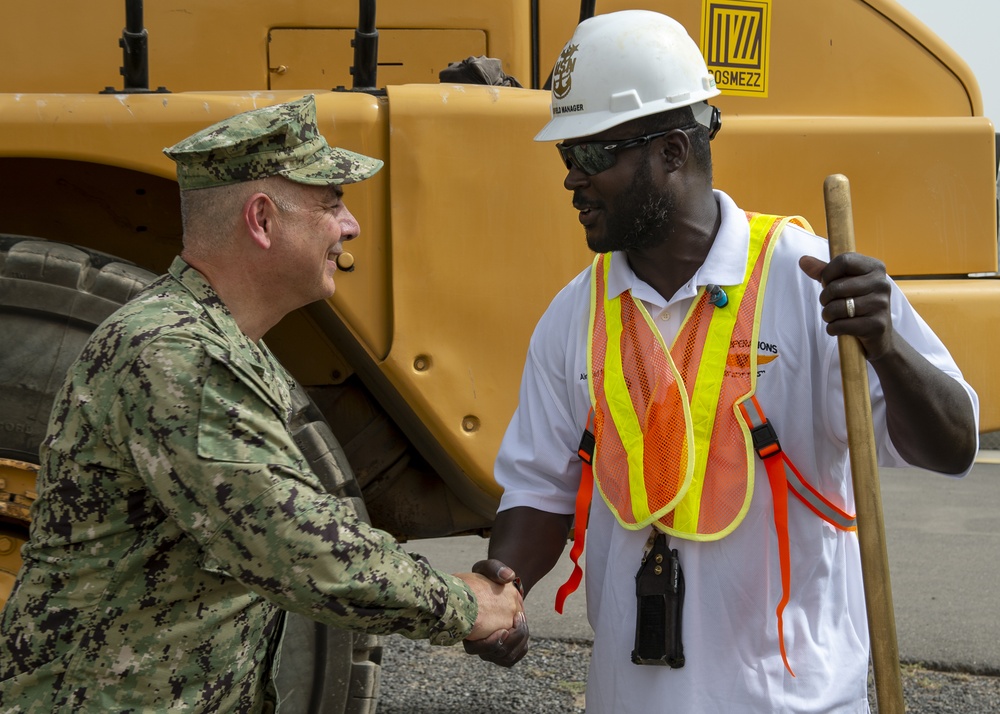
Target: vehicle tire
point(52, 297)
point(322, 669)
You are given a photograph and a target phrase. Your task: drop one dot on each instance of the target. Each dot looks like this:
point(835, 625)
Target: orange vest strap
point(784, 477)
point(779, 494)
point(765, 443)
point(583, 496)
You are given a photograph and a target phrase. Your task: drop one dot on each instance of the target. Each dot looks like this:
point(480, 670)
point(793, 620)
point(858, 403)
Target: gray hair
point(209, 215)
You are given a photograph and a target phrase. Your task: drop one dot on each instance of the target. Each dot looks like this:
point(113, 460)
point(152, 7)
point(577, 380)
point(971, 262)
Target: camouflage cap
point(280, 140)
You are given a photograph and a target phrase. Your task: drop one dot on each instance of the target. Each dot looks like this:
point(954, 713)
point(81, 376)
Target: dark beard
point(637, 218)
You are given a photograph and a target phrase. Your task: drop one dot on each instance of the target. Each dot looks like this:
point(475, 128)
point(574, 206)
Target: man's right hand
point(507, 645)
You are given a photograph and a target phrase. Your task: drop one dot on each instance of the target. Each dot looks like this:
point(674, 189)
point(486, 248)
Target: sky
point(970, 28)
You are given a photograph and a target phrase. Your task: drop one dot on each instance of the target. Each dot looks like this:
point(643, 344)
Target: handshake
point(500, 633)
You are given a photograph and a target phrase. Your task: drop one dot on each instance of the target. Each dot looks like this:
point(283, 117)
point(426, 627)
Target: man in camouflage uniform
point(176, 518)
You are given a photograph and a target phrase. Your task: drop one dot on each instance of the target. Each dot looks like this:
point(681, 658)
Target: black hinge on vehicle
point(365, 44)
point(135, 54)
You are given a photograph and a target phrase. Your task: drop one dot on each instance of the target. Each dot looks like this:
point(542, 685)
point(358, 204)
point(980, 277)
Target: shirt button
point(665, 315)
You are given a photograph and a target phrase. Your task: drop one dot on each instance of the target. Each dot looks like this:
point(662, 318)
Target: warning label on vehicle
point(736, 40)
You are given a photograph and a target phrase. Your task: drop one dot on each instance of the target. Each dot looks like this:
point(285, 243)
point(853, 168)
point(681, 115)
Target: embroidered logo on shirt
point(767, 352)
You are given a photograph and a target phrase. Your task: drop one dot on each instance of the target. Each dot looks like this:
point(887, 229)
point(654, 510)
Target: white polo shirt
point(733, 585)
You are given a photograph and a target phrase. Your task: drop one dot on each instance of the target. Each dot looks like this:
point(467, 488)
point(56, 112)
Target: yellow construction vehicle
point(467, 233)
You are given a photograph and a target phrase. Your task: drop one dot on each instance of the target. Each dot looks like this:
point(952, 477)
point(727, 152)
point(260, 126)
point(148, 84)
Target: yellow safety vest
point(670, 447)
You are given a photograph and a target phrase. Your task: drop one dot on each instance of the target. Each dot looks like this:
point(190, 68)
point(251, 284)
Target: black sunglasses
point(593, 157)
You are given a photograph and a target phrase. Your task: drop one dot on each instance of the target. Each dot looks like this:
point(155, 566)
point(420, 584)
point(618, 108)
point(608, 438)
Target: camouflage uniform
point(176, 519)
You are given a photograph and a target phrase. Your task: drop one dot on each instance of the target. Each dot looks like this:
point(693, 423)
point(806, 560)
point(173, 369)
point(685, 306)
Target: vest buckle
point(765, 440)
point(586, 450)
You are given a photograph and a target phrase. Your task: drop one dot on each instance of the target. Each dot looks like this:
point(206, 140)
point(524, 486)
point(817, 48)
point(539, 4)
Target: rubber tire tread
point(52, 296)
point(349, 689)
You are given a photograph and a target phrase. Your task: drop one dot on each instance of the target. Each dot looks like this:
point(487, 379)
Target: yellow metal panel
point(214, 45)
point(827, 58)
point(459, 154)
point(130, 131)
point(477, 208)
point(965, 315)
point(923, 205)
point(476, 259)
point(846, 57)
point(359, 122)
point(301, 59)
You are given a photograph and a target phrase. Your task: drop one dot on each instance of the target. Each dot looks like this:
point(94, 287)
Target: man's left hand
point(855, 299)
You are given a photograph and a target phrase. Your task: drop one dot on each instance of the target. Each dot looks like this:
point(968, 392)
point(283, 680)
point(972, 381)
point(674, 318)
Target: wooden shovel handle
point(864, 467)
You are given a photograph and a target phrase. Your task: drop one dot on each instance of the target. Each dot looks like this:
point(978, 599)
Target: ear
point(676, 148)
point(259, 214)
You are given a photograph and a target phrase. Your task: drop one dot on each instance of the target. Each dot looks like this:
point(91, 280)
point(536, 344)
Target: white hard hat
point(621, 66)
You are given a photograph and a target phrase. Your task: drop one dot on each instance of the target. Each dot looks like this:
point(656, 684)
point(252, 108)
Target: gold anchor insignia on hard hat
point(562, 80)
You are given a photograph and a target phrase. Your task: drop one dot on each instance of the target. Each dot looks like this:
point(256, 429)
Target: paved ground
point(943, 538)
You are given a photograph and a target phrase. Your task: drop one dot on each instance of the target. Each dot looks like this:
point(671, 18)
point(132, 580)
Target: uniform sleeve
point(215, 453)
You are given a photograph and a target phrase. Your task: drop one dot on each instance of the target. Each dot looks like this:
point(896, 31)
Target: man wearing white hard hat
point(690, 378)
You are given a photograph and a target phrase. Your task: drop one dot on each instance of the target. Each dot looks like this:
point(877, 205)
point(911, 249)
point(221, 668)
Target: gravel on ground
point(420, 679)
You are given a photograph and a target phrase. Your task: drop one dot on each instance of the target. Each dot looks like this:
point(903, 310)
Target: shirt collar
point(241, 346)
point(195, 283)
point(725, 264)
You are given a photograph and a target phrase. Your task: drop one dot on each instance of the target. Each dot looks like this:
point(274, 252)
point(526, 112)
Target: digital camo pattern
point(280, 140)
point(176, 516)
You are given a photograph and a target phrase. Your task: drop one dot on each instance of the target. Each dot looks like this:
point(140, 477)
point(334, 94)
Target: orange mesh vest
point(674, 431)
point(670, 447)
